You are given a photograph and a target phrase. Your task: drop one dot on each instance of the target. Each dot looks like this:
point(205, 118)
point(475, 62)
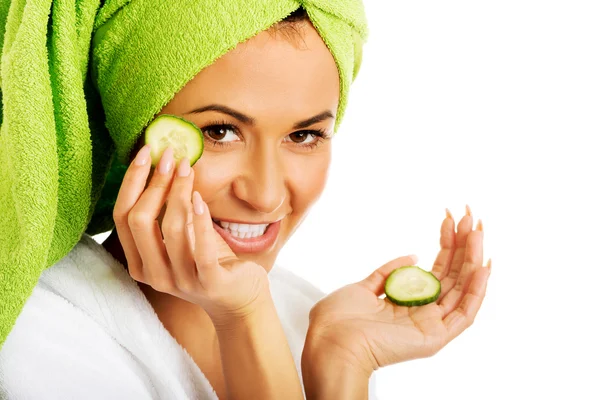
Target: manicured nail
point(489, 263)
point(184, 167)
point(479, 226)
point(448, 214)
point(142, 155)
point(166, 162)
point(468, 210)
point(198, 203)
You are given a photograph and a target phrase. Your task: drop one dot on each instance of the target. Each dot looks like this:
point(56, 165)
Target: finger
point(444, 258)
point(376, 281)
point(175, 227)
point(473, 261)
point(205, 248)
point(130, 191)
point(465, 226)
point(464, 315)
point(146, 230)
point(224, 253)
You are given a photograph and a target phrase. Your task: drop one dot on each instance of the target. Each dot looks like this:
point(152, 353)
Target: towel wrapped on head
point(80, 80)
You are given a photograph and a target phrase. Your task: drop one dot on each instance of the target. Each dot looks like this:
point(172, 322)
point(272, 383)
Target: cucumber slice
point(412, 286)
point(181, 135)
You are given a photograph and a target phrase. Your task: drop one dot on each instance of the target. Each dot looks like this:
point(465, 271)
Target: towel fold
point(79, 81)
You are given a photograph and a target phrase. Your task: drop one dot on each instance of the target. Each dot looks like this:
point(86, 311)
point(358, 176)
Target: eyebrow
point(251, 121)
point(313, 120)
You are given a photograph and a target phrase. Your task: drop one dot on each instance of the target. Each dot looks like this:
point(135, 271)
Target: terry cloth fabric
point(88, 332)
point(80, 80)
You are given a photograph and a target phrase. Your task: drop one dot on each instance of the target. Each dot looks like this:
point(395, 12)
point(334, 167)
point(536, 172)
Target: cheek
point(307, 177)
point(212, 174)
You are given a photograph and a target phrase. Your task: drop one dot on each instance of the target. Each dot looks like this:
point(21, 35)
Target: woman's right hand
point(193, 262)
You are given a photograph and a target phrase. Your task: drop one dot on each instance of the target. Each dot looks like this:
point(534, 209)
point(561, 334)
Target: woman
point(267, 109)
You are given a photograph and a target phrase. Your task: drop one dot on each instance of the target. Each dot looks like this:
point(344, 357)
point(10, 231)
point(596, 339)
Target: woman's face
point(267, 110)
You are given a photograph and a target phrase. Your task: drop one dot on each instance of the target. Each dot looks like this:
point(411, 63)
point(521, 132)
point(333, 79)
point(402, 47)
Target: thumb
point(224, 252)
point(376, 281)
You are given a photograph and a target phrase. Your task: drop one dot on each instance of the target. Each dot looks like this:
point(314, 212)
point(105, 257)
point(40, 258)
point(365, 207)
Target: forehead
point(269, 74)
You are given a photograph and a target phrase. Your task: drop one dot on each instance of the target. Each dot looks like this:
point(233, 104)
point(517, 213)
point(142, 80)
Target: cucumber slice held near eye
point(412, 286)
point(181, 135)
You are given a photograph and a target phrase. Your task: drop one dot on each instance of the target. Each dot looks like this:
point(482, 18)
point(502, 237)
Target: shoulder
point(284, 281)
point(293, 297)
point(87, 331)
point(54, 349)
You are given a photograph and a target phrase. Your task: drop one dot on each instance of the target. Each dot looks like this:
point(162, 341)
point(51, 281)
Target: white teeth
point(243, 228)
point(243, 231)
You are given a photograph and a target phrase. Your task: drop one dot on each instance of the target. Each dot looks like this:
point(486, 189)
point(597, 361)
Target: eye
point(221, 133)
point(302, 137)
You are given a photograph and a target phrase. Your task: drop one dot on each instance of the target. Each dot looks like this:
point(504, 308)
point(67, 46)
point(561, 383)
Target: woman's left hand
point(354, 326)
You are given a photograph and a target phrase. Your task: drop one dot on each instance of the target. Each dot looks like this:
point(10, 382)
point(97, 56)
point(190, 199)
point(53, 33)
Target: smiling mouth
point(248, 238)
point(243, 231)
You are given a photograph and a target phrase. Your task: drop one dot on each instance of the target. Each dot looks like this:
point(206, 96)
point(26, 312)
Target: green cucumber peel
point(412, 286)
point(183, 136)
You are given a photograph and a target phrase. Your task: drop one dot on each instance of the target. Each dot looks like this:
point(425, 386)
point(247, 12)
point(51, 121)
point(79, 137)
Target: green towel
point(79, 81)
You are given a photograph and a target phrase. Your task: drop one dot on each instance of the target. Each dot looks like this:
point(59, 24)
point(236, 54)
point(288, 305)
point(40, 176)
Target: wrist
point(328, 379)
point(243, 319)
point(327, 344)
point(331, 373)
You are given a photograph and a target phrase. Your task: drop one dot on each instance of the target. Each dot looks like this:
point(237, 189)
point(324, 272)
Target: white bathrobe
point(88, 332)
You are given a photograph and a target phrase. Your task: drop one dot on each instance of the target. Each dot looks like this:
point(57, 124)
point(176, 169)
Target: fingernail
point(448, 214)
point(166, 162)
point(489, 263)
point(414, 258)
point(479, 226)
point(198, 204)
point(142, 155)
point(468, 210)
point(184, 167)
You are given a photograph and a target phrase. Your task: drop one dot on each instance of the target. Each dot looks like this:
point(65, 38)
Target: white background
point(495, 105)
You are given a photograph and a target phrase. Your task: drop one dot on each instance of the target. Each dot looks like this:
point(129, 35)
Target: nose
point(262, 184)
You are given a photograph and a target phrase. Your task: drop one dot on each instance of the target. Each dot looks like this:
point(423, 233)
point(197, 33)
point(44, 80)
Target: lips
point(248, 244)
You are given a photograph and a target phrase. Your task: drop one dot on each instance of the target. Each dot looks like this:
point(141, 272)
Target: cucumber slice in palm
point(412, 286)
point(181, 135)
